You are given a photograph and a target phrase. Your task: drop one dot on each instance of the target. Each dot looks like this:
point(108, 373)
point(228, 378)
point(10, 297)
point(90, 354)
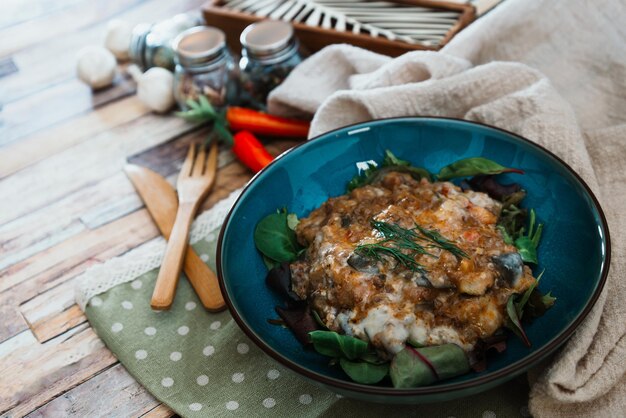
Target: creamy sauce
point(457, 300)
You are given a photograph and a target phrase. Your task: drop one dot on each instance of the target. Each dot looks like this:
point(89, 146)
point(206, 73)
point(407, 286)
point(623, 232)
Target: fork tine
point(185, 170)
point(211, 162)
point(198, 165)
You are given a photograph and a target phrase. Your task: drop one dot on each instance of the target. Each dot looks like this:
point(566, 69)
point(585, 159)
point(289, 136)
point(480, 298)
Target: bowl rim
point(510, 370)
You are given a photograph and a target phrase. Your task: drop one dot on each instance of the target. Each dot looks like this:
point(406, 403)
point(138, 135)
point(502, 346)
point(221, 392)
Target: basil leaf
point(472, 167)
point(332, 344)
point(274, 239)
point(513, 321)
point(362, 372)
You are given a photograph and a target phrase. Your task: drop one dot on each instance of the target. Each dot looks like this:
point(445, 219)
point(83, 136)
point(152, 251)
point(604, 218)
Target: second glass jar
point(204, 66)
point(269, 52)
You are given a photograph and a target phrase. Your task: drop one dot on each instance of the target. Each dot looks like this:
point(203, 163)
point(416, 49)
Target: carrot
point(240, 118)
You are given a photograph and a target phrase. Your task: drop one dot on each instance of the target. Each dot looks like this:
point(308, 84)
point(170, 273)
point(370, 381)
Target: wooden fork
point(194, 182)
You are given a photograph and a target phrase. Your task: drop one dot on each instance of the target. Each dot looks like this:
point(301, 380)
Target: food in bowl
point(408, 274)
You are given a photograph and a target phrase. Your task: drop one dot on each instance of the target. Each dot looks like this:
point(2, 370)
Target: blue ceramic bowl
point(574, 249)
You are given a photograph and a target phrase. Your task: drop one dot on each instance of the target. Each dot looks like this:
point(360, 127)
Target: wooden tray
point(314, 38)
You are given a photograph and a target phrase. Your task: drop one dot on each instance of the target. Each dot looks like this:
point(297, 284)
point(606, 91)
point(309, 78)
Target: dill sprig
point(441, 242)
point(377, 250)
point(402, 237)
point(401, 244)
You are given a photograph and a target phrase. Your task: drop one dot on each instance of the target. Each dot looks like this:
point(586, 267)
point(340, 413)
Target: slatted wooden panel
point(66, 204)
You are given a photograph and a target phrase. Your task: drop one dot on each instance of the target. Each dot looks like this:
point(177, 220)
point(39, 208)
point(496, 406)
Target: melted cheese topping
point(458, 300)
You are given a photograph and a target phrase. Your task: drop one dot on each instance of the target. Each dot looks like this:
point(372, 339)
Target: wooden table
point(65, 203)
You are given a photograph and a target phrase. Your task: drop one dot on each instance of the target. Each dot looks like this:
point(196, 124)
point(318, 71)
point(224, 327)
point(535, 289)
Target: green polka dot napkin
point(202, 365)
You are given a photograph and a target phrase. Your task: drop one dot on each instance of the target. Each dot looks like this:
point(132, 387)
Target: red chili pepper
point(250, 151)
point(240, 118)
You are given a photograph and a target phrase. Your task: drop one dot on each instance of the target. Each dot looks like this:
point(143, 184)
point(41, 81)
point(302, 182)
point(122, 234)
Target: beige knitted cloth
point(567, 92)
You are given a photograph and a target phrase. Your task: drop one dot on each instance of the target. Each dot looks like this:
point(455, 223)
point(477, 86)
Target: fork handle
point(165, 287)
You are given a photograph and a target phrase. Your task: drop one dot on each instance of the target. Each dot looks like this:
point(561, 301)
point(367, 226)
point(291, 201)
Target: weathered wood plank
point(33, 113)
point(58, 324)
point(12, 321)
point(58, 54)
point(53, 312)
point(51, 141)
point(122, 234)
point(36, 374)
point(19, 342)
point(111, 393)
point(82, 165)
point(70, 19)
point(57, 265)
point(89, 207)
point(18, 11)
point(160, 411)
point(58, 221)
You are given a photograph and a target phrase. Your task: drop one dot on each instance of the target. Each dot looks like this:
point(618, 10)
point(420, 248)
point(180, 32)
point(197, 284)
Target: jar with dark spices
point(269, 52)
point(204, 66)
point(151, 44)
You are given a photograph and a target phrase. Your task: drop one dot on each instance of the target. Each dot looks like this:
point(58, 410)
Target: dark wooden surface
point(66, 204)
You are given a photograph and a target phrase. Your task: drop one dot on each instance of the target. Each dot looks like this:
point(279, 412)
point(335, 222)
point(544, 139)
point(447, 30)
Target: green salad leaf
point(472, 167)
point(527, 244)
point(539, 303)
point(275, 239)
point(513, 321)
point(363, 178)
point(364, 372)
point(413, 367)
point(390, 163)
point(531, 303)
point(332, 344)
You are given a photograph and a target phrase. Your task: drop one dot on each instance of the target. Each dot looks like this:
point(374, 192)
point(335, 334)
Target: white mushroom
point(96, 66)
point(119, 33)
point(155, 88)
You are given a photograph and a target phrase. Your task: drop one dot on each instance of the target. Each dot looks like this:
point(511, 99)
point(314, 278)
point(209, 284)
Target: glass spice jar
point(269, 52)
point(204, 66)
point(151, 44)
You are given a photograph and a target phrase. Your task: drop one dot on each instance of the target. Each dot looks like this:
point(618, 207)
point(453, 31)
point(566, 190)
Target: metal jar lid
point(200, 46)
point(269, 40)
